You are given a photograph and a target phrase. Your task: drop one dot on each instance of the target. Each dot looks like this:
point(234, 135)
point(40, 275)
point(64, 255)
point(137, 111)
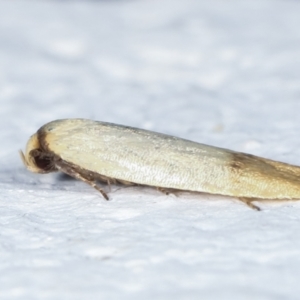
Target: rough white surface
point(224, 73)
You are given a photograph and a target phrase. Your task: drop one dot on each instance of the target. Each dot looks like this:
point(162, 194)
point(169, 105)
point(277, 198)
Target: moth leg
point(93, 184)
point(109, 181)
point(124, 182)
point(65, 168)
point(248, 201)
point(167, 191)
point(162, 190)
point(109, 185)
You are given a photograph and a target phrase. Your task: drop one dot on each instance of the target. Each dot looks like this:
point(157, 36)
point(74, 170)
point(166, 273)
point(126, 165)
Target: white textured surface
point(224, 73)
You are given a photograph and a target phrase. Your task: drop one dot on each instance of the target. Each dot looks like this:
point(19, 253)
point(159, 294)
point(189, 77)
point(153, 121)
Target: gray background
point(225, 73)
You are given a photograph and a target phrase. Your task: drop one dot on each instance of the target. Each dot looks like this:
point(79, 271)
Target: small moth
point(97, 151)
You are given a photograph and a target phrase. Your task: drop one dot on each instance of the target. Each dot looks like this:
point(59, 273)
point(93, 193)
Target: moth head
point(36, 159)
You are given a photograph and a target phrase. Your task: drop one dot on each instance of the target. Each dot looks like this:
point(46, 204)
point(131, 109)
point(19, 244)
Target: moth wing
point(155, 159)
point(132, 154)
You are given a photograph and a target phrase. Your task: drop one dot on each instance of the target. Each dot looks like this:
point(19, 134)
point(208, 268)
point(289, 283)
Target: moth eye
point(42, 161)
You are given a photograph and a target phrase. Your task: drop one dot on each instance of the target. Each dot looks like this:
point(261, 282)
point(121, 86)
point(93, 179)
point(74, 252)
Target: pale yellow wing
point(155, 159)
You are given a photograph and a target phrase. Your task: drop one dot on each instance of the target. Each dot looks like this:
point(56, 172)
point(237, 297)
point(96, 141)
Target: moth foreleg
point(248, 201)
point(75, 173)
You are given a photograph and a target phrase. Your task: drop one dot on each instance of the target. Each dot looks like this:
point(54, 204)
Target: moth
point(94, 151)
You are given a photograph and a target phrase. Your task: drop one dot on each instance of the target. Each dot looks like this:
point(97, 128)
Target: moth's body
point(91, 150)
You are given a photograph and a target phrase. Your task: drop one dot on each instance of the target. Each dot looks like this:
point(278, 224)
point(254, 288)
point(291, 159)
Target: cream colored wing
point(155, 159)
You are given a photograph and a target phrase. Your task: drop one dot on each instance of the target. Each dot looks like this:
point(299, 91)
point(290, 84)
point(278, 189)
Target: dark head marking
point(43, 160)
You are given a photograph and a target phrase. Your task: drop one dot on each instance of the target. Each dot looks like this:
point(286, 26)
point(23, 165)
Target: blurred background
point(189, 68)
point(225, 73)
